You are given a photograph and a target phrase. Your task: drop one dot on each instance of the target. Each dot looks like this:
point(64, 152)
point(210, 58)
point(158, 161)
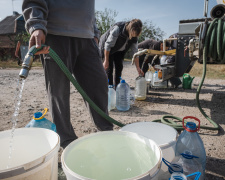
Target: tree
point(105, 19)
point(23, 37)
point(150, 31)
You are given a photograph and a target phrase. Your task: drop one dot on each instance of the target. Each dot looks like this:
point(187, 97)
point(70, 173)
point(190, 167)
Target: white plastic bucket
point(164, 136)
point(111, 155)
point(34, 154)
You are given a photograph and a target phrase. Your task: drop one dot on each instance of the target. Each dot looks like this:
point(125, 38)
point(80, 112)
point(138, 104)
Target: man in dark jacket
point(115, 43)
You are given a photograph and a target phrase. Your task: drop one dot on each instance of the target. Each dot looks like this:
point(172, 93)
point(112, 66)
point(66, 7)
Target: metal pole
point(206, 3)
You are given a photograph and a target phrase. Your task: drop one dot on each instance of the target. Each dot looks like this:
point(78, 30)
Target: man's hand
point(106, 64)
point(38, 38)
point(96, 39)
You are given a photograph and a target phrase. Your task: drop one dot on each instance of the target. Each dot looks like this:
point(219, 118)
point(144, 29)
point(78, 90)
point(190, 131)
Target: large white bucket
point(111, 155)
point(34, 154)
point(164, 136)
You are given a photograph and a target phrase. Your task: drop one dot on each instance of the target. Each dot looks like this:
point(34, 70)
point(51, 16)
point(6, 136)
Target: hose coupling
point(26, 66)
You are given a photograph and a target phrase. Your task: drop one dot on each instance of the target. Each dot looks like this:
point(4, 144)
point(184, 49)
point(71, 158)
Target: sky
point(164, 14)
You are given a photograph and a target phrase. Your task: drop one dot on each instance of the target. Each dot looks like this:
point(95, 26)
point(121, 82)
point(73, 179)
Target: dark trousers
point(115, 60)
point(81, 56)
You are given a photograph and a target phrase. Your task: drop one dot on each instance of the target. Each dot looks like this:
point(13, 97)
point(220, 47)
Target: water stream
point(17, 101)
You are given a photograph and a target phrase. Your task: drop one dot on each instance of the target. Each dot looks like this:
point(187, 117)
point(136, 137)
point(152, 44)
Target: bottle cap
point(191, 126)
point(37, 115)
point(156, 71)
point(122, 81)
point(110, 86)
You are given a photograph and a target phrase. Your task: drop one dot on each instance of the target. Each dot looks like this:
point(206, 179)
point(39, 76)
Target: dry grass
point(13, 64)
point(214, 71)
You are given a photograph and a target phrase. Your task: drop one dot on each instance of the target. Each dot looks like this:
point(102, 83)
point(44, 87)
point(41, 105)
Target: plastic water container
point(123, 96)
point(163, 60)
point(181, 176)
point(178, 176)
point(189, 164)
point(39, 121)
point(140, 88)
point(158, 83)
point(34, 154)
point(112, 155)
point(148, 77)
point(155, 79)
point(111, 98)
point(172, 167)
point(189, 140)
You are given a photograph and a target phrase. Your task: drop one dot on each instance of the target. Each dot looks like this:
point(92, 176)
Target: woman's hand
point(140, 72)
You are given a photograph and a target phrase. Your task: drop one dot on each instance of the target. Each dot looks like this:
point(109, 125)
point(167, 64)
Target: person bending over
point(113, 45)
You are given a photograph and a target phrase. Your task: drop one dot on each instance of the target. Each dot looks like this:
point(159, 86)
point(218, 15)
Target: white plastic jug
point(111, 98)
point(140, 88)
point(148, 77)
point(163, 60)
point(156, 80)
point(158, 83)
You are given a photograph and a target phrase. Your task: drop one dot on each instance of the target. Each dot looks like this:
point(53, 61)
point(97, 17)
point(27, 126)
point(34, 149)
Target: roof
point(8, 25)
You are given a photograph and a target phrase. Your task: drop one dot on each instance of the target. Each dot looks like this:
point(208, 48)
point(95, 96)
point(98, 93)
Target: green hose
point(213, 47)
point(57, 59)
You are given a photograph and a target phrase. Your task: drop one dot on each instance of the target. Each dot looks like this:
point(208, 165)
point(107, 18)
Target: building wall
point(7, 41)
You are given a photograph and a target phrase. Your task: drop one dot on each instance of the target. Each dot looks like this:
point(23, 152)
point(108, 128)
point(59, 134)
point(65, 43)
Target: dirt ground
point(170, 101)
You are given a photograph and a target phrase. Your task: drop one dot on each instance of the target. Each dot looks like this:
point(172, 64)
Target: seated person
point(157, 45)
point(150, 44)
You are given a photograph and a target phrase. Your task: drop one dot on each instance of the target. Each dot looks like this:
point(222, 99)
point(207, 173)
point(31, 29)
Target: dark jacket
point(149, 44)
point(120, 41)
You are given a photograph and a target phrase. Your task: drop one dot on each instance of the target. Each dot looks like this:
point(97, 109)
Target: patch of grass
point(13, 64)
point(213, 71)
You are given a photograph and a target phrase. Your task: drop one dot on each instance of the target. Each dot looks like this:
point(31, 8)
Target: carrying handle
point(43, 114)
point(188, 156)
point(171, 166)
point(191, 117)
point(198, 174)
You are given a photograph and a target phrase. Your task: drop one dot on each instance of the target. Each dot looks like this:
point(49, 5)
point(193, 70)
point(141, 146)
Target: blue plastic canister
point(190, 141)
point(123, 96)
point(39, 121)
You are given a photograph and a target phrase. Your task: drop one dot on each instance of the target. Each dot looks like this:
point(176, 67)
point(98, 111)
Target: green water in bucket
point(111, 157)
